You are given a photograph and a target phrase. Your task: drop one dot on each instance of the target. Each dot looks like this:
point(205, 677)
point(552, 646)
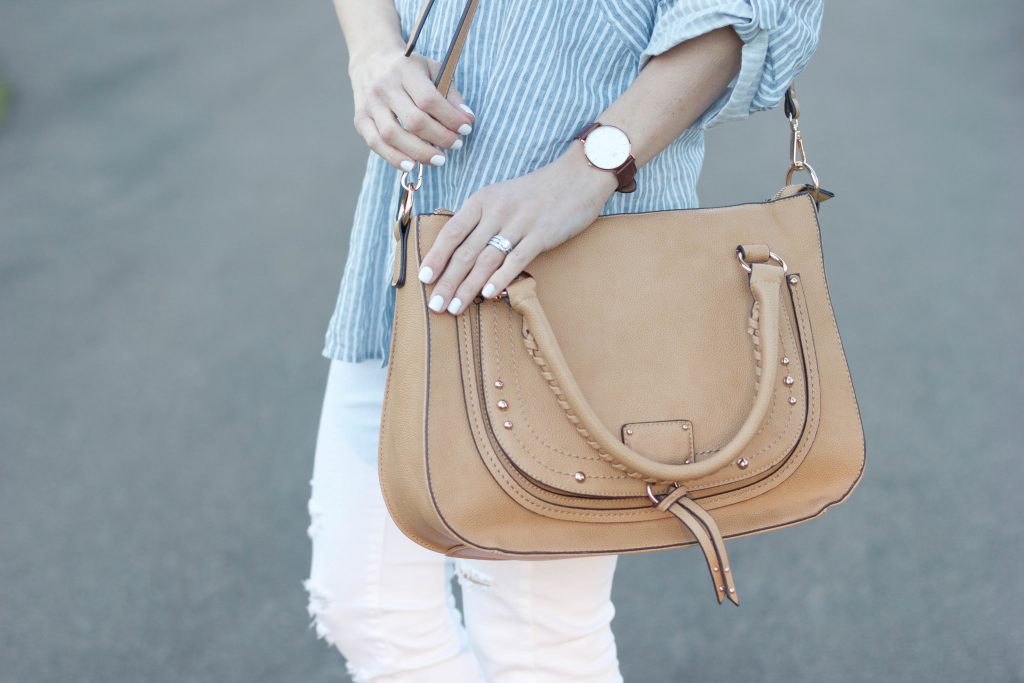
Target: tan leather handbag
point(660, 380)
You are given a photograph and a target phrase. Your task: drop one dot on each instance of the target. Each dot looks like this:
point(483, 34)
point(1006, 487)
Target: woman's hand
point(400, 113)
point(535, 212)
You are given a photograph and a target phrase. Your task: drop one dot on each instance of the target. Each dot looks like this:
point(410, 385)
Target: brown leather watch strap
point(626, 172)
point(627, 175)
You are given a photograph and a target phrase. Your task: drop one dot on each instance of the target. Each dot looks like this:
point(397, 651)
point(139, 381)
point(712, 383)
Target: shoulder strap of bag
point(443, 80)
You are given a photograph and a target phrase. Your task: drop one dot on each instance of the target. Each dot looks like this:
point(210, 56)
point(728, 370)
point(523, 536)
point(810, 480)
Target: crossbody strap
point(443, 80)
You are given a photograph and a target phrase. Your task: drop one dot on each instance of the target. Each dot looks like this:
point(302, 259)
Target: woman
point(505, 150)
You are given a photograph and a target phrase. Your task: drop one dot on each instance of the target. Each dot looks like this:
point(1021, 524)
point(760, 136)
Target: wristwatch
point(608, 148)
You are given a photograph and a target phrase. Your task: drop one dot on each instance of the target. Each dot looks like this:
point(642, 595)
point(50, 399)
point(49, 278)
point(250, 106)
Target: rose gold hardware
point(580, 477)
point(792, 400)
point(507, 424)
point(742, 463)
point(503, 404)
point(797, 155)
point(785, 360)
point(688, 461)
point(789, 380)
point(629, 432)
point(686, 427)
point(793, 279)
point(498, 384)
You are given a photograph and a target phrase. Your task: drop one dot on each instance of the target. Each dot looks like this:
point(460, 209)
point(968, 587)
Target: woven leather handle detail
point(766, 282)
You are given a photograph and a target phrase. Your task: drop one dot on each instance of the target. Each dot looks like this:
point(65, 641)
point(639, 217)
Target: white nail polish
point(426, 274)
point(436, 303)
point(407, 166)
point(454, 306)
point(488, 291)
point(465, 129)
point(437, 160)
point(457, 144)
point(466, 107)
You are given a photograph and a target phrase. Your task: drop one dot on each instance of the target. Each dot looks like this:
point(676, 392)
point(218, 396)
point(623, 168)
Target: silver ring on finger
point(501, 243)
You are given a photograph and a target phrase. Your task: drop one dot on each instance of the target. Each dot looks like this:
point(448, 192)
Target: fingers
point(513, 265)
point(455, 97)
point(403, 117)
point(449, 238)
point(368, 130)
point(474, 267)
point(407, 143)
point(472, 251)
point(487, 263)
point(491, 272)
point(445, 119)
point(420, 123)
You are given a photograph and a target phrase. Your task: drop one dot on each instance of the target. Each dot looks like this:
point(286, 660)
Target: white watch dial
point(606, 147)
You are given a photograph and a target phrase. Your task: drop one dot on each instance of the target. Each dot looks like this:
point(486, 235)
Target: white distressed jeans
point(386, 603)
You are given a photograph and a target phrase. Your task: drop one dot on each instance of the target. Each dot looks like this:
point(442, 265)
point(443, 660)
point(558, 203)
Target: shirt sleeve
point(779, 37)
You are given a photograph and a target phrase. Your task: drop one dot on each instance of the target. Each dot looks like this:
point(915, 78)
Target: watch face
point(607, 147)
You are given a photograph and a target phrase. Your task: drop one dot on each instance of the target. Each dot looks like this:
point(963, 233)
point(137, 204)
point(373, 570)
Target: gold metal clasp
point(798, 154)
point(408, 195)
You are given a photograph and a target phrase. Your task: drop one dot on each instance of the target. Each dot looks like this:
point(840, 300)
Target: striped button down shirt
point(534, 73)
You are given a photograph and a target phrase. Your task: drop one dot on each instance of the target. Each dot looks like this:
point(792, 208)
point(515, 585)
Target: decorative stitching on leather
point(781, 433)
point(812, 417)
point(496, 444)
point(513, 488)
point(523, 416)
point(754, 329)
point(534, 352)
point(835, 324)
point(794, 344)
point(384, 414)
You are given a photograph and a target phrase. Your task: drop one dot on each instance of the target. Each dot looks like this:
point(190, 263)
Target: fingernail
point(468, 110)
point(436, 303)
point(454, 306)
point(488, 291)
point(437, 160)
point(457, 144)
point(426, 274)
point(407, 165)
point(465, 129)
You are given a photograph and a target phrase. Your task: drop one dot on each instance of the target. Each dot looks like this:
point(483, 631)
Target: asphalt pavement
point(176, 186)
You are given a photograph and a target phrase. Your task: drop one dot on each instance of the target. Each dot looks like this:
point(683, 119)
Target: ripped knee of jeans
point(319, 603)
point(470, 577)
point(316, 518)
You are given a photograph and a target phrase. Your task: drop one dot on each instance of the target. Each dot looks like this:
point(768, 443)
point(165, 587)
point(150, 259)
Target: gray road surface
point(176, 185)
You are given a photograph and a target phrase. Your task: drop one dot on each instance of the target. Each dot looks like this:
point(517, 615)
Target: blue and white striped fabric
point(534, 73)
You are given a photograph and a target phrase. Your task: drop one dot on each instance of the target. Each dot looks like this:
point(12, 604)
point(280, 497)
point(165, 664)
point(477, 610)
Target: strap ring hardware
point(771, 255)
point(798, 154)
point(407, 199)
point(654, 497)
